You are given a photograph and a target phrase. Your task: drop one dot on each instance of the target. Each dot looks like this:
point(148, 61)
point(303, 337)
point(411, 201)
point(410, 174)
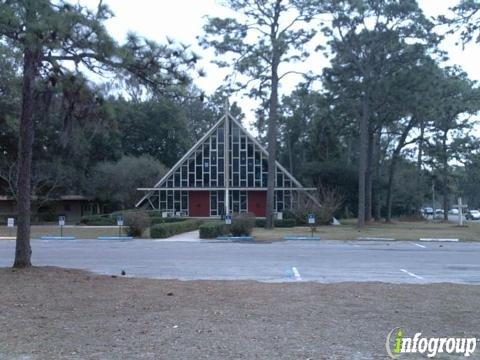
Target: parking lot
point(319, 261)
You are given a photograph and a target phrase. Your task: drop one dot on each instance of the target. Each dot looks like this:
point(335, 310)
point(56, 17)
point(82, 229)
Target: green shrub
point(242, 224)
point(159, 220)
point(98, 220)
point(278, 223)
point(288, 214)
point(285, 223)
point(259, 222)
point(166, 230)
point(136, 222)
point(48, 216)
point(212, 229)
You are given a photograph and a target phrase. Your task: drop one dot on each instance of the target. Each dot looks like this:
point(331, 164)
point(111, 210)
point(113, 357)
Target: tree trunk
point(290, 154)
point(23, 249)
point(445, 177)
point(391, 174)
point(369, 177)
point(272, 147)
point(272, 121)
point(378, 202)
point(419, 194)
point(362, 163)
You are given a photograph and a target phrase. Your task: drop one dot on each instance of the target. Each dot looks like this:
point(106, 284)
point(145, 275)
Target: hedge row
point(111, 219)
point(98, 220)
point(154, 220)
point(166, 230)
point(212, 229)
point(278, 223)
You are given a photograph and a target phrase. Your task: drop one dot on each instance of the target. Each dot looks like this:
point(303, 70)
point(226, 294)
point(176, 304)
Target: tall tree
point(466, 20)
point(450, 138)
point(49, 34)
point(265, 35)
point(364, 38)
point(413, 103)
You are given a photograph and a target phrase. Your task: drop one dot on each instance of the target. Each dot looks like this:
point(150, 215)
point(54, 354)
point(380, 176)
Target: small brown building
point(73, 207)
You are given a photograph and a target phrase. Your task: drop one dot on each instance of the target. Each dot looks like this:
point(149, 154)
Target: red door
point(257, 202)
point(199, 203)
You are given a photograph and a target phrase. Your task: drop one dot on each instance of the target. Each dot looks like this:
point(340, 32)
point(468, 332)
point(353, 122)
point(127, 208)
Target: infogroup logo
point(398, 345)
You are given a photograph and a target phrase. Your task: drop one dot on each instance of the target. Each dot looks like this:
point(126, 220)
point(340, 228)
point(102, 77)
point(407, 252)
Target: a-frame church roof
point(203, 166)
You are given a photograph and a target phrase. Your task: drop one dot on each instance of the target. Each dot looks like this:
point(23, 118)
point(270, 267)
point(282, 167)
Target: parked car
point(428, 211)
point(439, 213)
point(453, 212)
point(473, 215)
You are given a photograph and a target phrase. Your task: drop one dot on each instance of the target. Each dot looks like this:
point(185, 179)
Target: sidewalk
point(191, 236)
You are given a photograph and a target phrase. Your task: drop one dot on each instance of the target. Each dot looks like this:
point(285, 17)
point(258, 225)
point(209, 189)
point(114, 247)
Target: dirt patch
point(50, 313)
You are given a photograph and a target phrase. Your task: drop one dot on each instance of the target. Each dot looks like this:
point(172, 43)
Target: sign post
point(228, 221)
point(311, 222)
point(10, 225)
point(460, 207)
point(120, 224)
point(61, 222)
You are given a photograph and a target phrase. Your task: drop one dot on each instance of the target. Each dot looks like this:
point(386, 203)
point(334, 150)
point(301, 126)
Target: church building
point(224, 172)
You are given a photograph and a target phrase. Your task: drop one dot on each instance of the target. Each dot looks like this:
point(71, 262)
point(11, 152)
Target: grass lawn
point(81, 232)
point(397, 230)
point(347, 231)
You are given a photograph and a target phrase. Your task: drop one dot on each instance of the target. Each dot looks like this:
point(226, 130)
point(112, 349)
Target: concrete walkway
point(192, 236)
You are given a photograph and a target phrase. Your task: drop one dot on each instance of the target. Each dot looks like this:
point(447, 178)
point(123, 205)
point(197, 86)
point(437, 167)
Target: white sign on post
point(120, 220)
point(61, 220)
point(228, 219)
point(10, 222)
point(460, 207)
point(311, 218)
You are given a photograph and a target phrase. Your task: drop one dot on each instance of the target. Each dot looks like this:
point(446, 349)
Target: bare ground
point(50, 313)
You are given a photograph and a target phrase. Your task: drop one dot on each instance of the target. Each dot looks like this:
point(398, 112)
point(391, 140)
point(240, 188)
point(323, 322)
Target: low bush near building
point(331, 201)
point(212, 229)
point(285, 223)
point(98, 220)
point(136, 223)
point(161, 220)
point(242, 224)
point(166, 230)
point(278, 223)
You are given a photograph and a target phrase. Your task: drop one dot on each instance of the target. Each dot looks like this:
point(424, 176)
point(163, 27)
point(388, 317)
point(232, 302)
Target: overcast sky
point(182, 20)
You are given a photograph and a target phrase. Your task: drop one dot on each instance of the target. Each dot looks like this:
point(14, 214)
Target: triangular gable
point(203, 166)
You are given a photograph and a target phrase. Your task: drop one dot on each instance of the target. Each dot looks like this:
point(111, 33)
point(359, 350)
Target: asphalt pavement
point(320, 261)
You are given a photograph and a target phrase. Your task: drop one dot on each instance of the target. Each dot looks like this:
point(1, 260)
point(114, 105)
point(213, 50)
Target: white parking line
point(412, 274)
point(296, 274)
point(422, 246)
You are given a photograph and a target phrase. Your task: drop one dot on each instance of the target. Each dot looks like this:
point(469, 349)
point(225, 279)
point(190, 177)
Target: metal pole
point(460, 211)
point(226, 172)
point(433, 199)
